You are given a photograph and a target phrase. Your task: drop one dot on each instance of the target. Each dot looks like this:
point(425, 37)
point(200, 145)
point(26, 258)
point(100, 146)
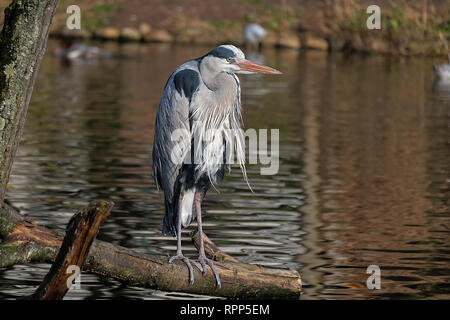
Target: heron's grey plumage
point(173, 114)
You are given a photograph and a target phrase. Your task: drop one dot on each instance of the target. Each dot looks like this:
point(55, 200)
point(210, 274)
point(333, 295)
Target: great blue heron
point(201, 96)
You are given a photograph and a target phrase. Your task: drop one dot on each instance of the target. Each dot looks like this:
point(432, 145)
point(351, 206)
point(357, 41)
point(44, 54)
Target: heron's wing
point(172, 140)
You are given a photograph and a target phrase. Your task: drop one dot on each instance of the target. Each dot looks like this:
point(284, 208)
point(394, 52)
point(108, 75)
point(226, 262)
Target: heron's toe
point(198, 265)
point(203, 261)
point(188, 265)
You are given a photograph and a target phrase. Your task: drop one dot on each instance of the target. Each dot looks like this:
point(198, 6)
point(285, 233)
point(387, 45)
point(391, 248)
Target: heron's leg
point(179, 255)
point(201, 249)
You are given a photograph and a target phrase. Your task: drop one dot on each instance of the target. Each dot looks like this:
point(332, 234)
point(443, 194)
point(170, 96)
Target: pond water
point(363, 176)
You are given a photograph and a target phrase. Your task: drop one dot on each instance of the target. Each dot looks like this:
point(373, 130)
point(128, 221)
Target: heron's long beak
point(247, 65)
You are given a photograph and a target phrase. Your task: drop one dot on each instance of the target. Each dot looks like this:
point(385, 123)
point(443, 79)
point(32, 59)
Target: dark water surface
point(363, 180)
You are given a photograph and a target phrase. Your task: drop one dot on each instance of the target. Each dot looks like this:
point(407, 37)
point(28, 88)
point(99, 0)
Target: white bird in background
point(442, 71)
point(79, 52)
point(254, 34)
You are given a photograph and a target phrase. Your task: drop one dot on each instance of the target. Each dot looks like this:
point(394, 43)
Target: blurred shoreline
point(413, 27)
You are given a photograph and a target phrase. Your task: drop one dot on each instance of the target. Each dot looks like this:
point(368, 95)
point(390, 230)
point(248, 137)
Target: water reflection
point(363, 174)
point(441, 88)
point(374, 136)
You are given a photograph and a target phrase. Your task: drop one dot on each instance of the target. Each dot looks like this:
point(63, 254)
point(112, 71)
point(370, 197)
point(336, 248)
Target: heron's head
point(228, 58)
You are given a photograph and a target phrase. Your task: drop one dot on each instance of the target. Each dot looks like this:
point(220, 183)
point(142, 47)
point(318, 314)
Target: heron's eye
point(229, 60)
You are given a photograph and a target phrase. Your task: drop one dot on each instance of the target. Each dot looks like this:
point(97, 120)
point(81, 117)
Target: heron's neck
point(223, 87)
point(219, 101)
point(218, 82)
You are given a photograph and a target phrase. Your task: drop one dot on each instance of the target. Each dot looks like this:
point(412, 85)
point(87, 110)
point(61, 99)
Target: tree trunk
point(22, 45)
point(28, 242)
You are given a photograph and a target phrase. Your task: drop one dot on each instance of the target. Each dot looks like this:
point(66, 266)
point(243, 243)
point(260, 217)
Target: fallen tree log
point(24, 241)
point(213, 252)
point(81, 232)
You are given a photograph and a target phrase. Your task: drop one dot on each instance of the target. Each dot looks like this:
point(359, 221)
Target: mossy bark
point(17, 252)
point(22, 45)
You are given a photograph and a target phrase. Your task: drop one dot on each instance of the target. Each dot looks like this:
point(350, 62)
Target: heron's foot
point(188, 264)
point(203, 261)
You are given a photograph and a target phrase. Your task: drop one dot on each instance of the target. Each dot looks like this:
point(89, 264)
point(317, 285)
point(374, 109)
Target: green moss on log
point(8, 220)
point(19, 252)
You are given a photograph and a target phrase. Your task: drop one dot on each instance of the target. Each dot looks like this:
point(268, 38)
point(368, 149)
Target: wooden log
point(213, 252)
point(36, 243)
point(80, 233)
point(155, 272)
